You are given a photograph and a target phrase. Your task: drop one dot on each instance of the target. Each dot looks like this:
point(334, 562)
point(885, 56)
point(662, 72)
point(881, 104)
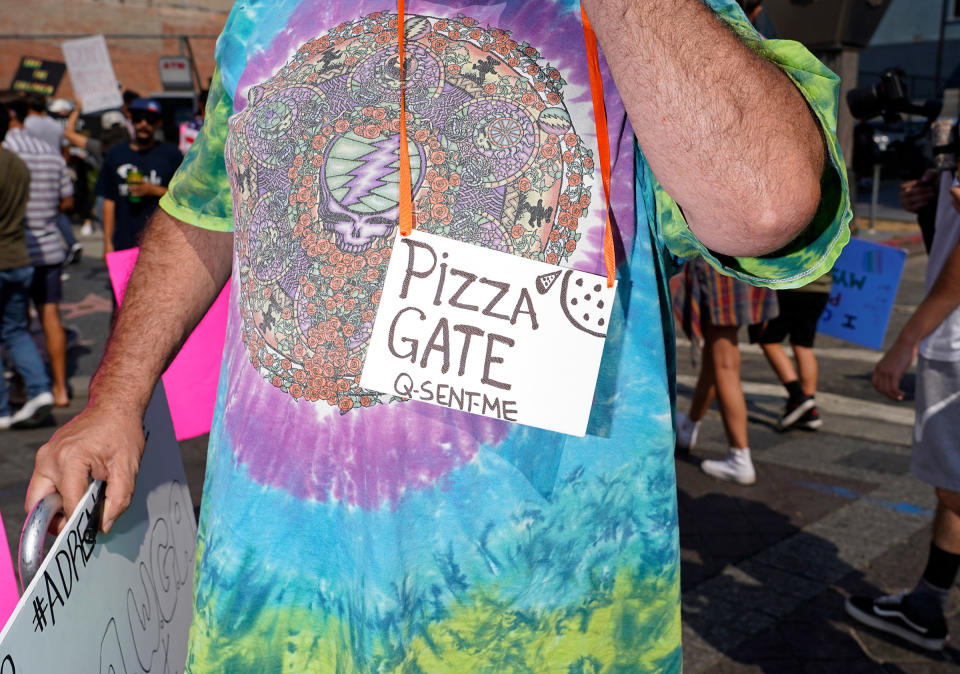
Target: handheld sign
point(866, 277)
point(91, 73)
point(191, 380)
point(489, 333)
point(36, 76)
point(8, 586)
point(121, 602)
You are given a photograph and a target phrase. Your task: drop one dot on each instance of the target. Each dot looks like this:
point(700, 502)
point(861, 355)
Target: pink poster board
point(191, 379)
point(8, 584)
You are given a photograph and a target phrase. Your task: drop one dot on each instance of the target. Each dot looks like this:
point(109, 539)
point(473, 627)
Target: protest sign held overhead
point(36, 76)
point(91, 73)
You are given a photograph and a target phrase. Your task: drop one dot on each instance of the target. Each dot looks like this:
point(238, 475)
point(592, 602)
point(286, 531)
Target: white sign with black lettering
point(489, 333)
point(121, 602)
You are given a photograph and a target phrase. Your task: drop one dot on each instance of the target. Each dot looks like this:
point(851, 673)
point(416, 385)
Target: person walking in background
point(51, 193)
point(43, 127)
point(16, 274)
point(712, 307)
point(799, 313)
point(932, 335)
point(134, 176)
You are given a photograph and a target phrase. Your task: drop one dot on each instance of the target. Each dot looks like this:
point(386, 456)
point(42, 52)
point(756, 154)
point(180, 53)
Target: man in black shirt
point(134, 176)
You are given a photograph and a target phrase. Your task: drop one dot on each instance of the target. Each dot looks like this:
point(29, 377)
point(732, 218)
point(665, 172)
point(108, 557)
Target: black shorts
point(799, 312)
point(46, 287)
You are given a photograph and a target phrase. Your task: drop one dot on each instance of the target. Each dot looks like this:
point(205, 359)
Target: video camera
point(889, 99)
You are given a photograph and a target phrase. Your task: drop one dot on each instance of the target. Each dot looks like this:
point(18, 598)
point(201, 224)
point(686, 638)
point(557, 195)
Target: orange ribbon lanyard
point(603, 141)
point(406, 182)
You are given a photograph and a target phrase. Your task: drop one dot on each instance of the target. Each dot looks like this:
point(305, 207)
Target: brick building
point(138, 32)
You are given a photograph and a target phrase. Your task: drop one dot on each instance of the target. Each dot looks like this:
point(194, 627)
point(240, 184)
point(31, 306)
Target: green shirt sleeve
point(199, 192)
point(812, 253)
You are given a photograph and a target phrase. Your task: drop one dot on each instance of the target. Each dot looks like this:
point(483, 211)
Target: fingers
point(955, 197)
point(119, 492)
point(887, 383)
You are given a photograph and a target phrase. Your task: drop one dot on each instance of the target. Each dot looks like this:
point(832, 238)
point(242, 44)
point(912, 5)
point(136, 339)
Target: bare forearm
point(728, 135)
point(178, 275)
point(940, 302)
point(109, 208)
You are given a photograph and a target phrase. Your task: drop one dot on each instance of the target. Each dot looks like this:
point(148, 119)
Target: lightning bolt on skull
point(313, 162)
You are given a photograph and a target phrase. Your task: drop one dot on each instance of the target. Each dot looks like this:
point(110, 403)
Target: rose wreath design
point(313, 158)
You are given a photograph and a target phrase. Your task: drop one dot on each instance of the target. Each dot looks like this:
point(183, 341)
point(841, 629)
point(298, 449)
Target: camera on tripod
point(913, 152)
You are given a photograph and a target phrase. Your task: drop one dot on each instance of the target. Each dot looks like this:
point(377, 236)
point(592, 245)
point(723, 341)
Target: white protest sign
point(124, 602)
point(91, 73)
point(489, 333)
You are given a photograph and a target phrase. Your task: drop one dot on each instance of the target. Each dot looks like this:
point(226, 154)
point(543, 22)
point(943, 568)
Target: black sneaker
point(794, 410)
point(811, 420)
point(914, 617)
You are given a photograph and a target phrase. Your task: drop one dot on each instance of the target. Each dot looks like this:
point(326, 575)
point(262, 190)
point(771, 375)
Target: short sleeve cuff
point(815, 250)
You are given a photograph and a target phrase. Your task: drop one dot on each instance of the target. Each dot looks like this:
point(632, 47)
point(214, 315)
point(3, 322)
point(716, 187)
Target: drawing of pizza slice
point(586, 302)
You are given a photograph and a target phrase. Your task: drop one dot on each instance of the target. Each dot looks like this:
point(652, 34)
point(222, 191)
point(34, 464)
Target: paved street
point(765, 568)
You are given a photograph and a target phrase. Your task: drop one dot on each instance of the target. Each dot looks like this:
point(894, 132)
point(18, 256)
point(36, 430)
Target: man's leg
point(807, 366)
point(721, 341)
point(780, 362)
point(47, 292)
point(15, 335)
point(917, 615)
point(56, 340)
point(688, 426)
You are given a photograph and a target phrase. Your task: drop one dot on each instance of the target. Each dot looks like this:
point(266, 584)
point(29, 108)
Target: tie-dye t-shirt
point(343, 530)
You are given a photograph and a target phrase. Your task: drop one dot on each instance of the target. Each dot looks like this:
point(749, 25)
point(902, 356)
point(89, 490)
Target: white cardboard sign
point(91, 73)
point(124, 602)
point(489, 333)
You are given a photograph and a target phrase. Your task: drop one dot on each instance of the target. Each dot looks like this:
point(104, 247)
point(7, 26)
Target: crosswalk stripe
point(828, 402)
point(831, 353)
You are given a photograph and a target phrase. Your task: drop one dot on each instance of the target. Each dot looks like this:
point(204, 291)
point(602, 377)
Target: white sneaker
point(687, 430)
point(737, 467)
point(34, 410)
point(5, 422)
point(86, 230)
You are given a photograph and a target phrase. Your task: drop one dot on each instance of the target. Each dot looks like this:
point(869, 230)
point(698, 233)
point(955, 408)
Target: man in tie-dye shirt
point(343, 530)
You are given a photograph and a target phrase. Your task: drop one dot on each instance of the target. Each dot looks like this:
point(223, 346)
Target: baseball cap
point(112, 118)
point(146, 105)
point(60, 106)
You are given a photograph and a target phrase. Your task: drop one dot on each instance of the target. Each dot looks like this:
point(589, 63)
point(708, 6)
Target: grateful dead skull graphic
point(313, 161)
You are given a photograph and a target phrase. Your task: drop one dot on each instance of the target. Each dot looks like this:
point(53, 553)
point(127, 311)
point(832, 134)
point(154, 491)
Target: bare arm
point(179, 273)
point(70, 130)
point(109, 222)
point(727, 134)
point(940, 302)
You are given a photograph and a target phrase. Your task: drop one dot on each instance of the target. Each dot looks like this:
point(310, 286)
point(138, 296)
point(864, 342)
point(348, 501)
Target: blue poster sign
point(865, 282)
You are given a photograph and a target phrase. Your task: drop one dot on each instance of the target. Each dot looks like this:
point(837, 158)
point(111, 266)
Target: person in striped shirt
point(51, 192)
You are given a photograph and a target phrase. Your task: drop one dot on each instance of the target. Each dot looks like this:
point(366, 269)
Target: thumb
point(38, 488)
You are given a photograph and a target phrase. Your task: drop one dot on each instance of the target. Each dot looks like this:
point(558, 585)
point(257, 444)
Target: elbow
point(759, 223)
point(784, 216)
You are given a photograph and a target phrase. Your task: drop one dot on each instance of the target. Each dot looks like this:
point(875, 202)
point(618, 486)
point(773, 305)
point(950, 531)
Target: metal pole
point(875, 196)
point(185, 42)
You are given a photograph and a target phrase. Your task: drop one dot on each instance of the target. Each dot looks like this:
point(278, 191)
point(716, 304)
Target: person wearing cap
point(134, 176)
